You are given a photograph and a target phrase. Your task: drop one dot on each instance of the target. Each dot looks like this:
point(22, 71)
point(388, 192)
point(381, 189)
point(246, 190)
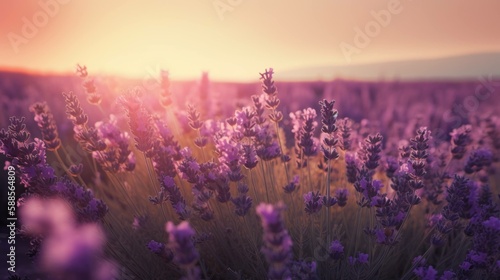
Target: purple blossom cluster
point(47, 124)
point(71, 249)
point(307, 145)
point(93, 96)
point(86, 136)
point(207, 171)
point(39, 178)
point(140, 121)
point(180, 242)
point(329, 128)
point(117, 156)
point(277, 247)
point(242, 202)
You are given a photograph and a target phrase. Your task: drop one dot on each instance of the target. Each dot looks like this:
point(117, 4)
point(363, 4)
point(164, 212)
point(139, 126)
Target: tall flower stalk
point(277, 247)
point(272, 103)
point(180, 242)
point(328, 119)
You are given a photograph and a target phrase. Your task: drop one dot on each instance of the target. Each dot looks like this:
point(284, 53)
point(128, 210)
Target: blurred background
point(235, 39)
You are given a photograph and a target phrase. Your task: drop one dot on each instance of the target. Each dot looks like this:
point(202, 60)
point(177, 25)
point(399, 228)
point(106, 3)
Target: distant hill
point(456, 67)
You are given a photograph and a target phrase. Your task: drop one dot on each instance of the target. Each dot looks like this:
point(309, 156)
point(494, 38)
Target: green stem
point(281, 151)
point(63, 165)
point(328, 235)
point(309, 173)
point(154, 184)
point(265, 181)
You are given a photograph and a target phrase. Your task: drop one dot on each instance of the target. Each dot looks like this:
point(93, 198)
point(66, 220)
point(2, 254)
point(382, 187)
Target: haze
point(134, 38)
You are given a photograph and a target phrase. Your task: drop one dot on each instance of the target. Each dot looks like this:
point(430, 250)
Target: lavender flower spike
point(277, 242)
point(336, 250)
point(180, 241)
point(313, 202)
point(46, 123)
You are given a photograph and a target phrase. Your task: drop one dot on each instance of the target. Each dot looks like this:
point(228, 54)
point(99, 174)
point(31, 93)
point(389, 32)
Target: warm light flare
point(233, 39)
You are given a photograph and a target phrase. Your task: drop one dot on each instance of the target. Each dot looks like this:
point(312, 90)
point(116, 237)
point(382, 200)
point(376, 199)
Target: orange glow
point(187, 37)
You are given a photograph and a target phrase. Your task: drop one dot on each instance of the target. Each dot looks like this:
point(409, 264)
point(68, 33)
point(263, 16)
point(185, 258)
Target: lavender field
point(119, 178)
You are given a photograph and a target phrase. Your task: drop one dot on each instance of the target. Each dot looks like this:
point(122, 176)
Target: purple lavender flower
point(201, 205)
point(194, 118)
point(180, 241)
point(89, 85)
point(164, 152)
point(484, 227)
point(303, 270)
point(404, 150)
point(222, 189)
point(426, 273)
point(242, 202)
point(39, 178)
point(293, 185)
point(392, 165)
point(175, 197)
point(140, 121)
point(231, 156)
point(460, 197)
point(272, 100)
point(267, 147)
point(87, 137)
point(478, 160)
point(304, 125)
point(246, 122)
point(189, 168)
point(258, 108)
point(161, 250)
point(336, 250)
point(419, 261)
point(46, 123)
point(277, 247)
point(250, 156)
point(370, 153)
point(328, 202)
point(200, 142)
point(345, 129)
point(341, 196)
point(362, 258)
point(328, 119)
point(492, 223)
point(139, 222)
point(166, 144)
point(306, 142)
point(419, 151)
point(69, 247)
point(267, 82)
point(385, 236)
point(370, 190)
point(76, 169)
point(460, 139)
point(465, 266)
point(351, 168)
point(312, 201)
point(74, 110)
point(447, 275)
point(477, 258)
point(81, 71)
point(116, 157)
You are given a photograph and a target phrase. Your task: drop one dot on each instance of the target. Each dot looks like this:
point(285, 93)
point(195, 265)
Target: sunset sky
point(135, 38)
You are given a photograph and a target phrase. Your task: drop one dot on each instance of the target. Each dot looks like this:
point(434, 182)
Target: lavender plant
point(389, 200)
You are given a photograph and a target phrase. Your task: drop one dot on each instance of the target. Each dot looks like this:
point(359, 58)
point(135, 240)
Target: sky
point(237, 39)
